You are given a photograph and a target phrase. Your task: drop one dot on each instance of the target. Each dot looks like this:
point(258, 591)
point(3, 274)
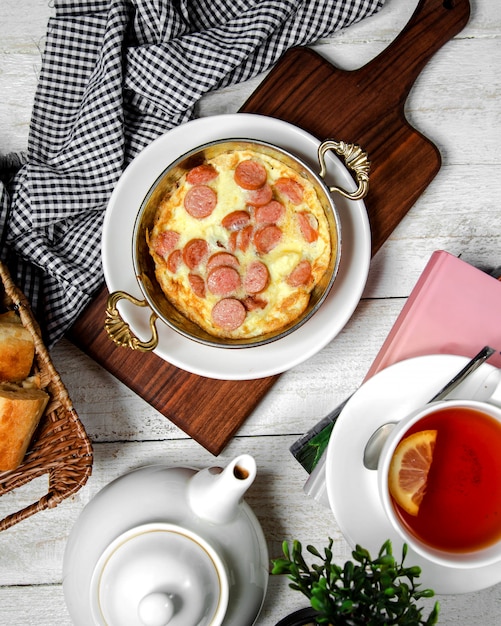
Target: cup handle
point(355, 159)
point(120, 332)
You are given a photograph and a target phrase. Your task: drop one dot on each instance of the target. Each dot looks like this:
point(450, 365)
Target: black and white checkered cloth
point(115, 75)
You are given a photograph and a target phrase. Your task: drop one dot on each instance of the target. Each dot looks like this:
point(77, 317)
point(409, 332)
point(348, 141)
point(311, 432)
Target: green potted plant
point(370, 591)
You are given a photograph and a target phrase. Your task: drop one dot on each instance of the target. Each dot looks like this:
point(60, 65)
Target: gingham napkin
point(115, 75)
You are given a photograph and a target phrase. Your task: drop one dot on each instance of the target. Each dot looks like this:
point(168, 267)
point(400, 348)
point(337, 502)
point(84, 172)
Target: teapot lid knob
point(156, 609)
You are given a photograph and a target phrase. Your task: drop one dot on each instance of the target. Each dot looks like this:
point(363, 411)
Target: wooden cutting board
point(364, 106)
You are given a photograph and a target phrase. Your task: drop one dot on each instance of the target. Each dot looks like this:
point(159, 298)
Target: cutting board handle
point(433, 23)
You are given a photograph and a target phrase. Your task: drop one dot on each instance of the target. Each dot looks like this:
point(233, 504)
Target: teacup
point(458, 521)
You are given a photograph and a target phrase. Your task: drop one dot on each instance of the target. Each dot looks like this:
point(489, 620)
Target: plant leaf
point(377, 592)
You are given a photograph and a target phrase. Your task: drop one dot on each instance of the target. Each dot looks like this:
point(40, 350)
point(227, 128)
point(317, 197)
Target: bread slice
point(17, 351)
point(20, 412)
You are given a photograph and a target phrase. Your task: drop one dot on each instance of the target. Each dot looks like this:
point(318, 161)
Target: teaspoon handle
point(470, 367)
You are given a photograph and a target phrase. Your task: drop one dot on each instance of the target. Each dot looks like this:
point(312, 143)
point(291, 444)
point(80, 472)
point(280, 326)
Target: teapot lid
point(157, 575)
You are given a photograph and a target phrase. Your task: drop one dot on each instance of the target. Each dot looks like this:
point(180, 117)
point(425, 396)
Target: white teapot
point(168, 546)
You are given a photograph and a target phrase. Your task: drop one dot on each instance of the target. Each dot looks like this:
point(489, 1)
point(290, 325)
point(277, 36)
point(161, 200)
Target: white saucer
point(352, 489)
point(248, 363)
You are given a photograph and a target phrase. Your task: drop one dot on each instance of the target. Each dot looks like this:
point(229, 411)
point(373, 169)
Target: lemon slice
point(409, 468)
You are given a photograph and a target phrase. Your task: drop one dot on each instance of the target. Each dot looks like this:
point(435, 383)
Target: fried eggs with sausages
point(239, 244)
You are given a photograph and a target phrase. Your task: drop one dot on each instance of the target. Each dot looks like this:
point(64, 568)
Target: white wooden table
point(457, 103)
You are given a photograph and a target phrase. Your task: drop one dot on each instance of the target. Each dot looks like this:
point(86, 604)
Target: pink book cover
point(454, 308)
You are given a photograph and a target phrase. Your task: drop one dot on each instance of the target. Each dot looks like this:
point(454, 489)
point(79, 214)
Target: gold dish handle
point(119, 331)
point(355, 159)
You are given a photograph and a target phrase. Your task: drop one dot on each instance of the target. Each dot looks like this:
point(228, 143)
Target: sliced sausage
point(308, 225)
point(259, 197)
point(228, 313)
point(174, 260)
point(235, 220)
point(250, 174)
point(256, 278)
point(251, 303)
point(244, 238)
point(197, 285)
point(240, 240)
point(266, 238)
point(223, 280)
point(200, 201)
point(201, 174)
point(194, 252)
point(222, 258)
point(165, 242)
point(232, 241)
point(300, 275)
point(291, 189)
point(270, 213)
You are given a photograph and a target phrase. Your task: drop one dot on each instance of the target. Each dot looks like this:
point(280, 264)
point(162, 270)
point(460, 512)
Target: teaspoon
point(376, 441)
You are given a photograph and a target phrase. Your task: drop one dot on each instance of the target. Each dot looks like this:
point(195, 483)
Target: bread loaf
point(20, 412)
point(16, 350)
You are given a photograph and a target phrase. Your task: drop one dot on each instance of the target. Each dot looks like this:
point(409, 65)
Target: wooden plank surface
point(365, 106)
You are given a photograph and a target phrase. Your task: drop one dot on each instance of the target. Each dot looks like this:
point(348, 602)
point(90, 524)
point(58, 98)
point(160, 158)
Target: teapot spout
point(214, 494)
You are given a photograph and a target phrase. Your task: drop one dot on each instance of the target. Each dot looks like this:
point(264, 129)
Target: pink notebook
point(454, 308)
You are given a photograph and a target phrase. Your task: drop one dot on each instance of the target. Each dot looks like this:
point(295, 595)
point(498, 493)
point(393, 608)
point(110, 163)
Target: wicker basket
point(60, 445)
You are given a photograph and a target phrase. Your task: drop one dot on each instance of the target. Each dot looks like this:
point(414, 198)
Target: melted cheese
point(283, 302)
